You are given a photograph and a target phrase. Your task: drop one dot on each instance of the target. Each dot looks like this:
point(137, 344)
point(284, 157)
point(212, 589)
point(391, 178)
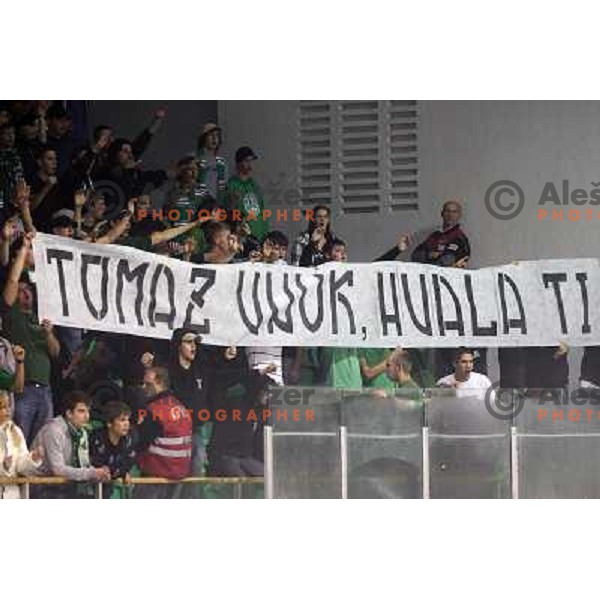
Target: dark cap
point(62, 218)
point(57, 111)
point(179, 334)
point(27, 120)
point(244, 153)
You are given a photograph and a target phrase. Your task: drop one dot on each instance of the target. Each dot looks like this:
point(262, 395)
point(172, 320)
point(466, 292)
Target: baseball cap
point(244, 153)
point(185, 332)
point(57, 111)
point(209, 128)
point(62, 218)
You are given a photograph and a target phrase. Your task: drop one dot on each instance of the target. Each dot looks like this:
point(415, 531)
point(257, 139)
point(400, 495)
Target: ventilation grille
point(360, 156)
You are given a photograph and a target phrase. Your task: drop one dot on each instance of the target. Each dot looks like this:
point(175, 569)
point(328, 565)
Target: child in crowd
point(112, 445)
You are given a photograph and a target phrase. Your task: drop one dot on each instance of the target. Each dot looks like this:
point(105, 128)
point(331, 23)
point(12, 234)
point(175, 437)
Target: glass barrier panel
point(384, 444)
point(306, 451)
point(469, 446)
point(558, 437)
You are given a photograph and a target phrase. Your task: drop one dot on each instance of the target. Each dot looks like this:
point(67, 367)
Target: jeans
point(200, 440)
point(33, 408)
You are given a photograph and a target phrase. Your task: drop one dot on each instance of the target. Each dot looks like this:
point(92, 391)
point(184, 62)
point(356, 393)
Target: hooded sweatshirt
point(189, 385)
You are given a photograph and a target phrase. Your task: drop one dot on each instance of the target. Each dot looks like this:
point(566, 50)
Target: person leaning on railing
point(65, 446)
point(113, 446)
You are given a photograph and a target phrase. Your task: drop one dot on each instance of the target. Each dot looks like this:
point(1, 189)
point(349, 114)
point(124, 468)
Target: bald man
point(449, 246)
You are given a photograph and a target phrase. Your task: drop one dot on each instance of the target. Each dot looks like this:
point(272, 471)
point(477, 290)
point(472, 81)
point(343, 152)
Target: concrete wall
point(176, 137)
point(464, 148)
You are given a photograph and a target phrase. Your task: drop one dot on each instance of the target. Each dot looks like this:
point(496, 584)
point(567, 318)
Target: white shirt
point(477, 385)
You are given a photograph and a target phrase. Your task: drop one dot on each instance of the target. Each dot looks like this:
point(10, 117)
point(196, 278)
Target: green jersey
point(344, 368)
point(374, 356)
point(246, 197)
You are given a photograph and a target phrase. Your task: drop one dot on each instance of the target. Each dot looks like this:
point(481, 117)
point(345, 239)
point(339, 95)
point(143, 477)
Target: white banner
point(123, 290)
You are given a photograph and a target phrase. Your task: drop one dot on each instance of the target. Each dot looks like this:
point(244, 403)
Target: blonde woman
point(15, 459)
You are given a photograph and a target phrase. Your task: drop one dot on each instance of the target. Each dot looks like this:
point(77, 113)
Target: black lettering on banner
point(509, 324)
point(60, 255)
point(334, 285)
point(555, 279)
point(153, 316)
point(425, 328)
point(316, 324)
point(393, 317)
point(252, 328)
point(478, 329)
point(139, 273)
point(582, 279)
point(197, 297)
point(288, 324)
point(444, 325)
point(86, 261)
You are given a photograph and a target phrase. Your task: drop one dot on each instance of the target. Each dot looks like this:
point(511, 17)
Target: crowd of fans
point(83, 401)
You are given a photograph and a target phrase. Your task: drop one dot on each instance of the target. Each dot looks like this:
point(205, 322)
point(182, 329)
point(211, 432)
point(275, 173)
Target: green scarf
point(80, 458)
point(80, 453)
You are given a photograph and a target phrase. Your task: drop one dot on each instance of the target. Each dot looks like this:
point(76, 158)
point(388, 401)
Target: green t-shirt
point(246, 197)
point(344, 368)
point(409, 390)
point(374, 356)
point(23, 329)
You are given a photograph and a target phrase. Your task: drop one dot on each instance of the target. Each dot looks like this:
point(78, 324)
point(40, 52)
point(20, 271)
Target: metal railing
point(438, 446)
point(25, 483)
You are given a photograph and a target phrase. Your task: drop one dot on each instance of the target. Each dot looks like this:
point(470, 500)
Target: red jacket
point(169, 454)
